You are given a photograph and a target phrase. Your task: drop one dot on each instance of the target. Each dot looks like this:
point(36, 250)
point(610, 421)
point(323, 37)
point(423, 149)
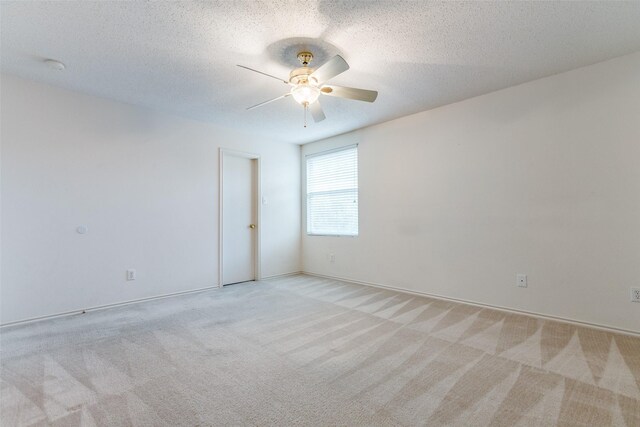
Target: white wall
point(542, 179)
point(145, 184)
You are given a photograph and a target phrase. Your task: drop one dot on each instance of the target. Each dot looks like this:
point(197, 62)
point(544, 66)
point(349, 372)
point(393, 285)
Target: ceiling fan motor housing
point(300, 75)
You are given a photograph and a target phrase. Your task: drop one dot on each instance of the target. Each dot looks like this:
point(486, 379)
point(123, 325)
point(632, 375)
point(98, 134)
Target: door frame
point(251, 156)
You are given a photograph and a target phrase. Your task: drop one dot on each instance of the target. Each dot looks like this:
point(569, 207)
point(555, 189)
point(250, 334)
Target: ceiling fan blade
point(329, 70)
point(316, 112)
point(269, 101)
point(264, 74)
point(350, 93)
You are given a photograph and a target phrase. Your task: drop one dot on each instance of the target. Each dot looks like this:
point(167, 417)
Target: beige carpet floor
point(302, 350)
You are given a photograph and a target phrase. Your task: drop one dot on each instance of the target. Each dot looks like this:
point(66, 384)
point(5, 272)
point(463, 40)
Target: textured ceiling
point(181, 57)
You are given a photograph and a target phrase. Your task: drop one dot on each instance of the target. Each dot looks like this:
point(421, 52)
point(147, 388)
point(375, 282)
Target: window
point(332, 192)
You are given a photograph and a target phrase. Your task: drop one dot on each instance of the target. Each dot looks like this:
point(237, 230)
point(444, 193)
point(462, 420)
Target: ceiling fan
point(309, 83)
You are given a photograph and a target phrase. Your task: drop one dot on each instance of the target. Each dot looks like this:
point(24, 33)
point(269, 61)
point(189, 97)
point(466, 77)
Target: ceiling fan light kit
point(309, 83)
point(305, 93)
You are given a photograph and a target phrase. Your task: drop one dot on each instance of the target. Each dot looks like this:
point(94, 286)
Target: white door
point(239, 189)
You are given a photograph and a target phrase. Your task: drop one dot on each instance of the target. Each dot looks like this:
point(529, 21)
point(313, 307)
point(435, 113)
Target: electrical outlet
point(635, 294)
point(521, 280)
point(131, 274)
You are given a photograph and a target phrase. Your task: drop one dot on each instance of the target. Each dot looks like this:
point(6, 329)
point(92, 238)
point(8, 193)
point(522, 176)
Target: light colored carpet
point(302, 350)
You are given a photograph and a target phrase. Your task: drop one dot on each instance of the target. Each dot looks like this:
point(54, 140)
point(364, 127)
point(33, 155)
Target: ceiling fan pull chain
point(306, 105)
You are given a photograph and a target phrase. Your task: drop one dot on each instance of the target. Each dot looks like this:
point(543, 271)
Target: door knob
point(252, 226)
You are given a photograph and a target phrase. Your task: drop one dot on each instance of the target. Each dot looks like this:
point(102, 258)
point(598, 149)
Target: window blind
point(332, 193)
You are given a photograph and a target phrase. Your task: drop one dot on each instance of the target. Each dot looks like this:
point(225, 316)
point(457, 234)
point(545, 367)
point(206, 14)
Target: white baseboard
point(479, 304)
point(104, 307)
point(276, 276)
point(343, 279)
point(122, 303)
